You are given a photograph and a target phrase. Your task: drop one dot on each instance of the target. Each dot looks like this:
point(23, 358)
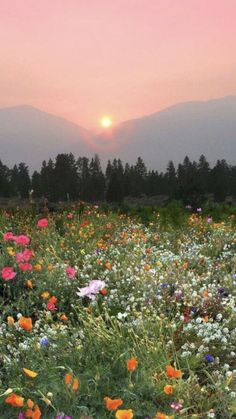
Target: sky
point(82, 59)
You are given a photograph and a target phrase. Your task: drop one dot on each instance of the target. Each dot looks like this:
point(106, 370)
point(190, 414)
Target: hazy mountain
point(30, 135)
point(191, 128)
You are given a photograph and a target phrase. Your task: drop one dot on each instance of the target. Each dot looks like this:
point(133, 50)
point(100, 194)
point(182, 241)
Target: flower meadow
point(103, 316)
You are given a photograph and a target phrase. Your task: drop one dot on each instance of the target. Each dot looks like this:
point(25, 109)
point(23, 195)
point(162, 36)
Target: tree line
point(83, 178)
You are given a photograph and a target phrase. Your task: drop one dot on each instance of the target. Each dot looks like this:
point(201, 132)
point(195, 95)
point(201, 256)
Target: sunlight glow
point(106, 122)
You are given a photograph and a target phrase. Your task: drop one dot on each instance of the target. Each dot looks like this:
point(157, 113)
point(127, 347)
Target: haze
point(125, 58)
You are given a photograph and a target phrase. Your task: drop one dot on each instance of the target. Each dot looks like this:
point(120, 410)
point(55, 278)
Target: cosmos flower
point(70, 272)
point(92, 289)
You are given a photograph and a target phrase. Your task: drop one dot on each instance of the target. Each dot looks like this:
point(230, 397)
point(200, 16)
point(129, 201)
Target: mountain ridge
point(193, 128)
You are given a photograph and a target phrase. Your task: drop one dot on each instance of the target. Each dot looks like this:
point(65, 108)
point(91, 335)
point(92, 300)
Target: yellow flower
point(10, 321)
point(10, 251)
point(45, 295)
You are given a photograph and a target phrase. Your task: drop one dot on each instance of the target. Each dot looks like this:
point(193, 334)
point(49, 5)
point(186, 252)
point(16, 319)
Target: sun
point(106, 121)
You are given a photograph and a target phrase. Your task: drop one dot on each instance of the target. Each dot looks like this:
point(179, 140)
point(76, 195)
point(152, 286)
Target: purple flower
point(92, 289)
point(209, 358)
point(209, 220)
point(199, 210)
point(44, 341)
point(176, 406)
point(20, 416)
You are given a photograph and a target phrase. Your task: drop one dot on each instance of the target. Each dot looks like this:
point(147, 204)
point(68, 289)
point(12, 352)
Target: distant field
point(118, 314)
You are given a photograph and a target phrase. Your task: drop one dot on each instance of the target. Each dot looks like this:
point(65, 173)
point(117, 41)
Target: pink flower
point(43, 223)
point(23, 240)
point(8, 273)
point(25, 266)
point(8, 236)
point(51, 306)
point(71, 272)
point(24, 256)
point(70, 216)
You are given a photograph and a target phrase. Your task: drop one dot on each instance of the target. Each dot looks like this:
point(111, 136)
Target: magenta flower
point(8, 236)
point(8, 273)
point(70, 272)
point(92, 289)
point(42, 223)
point(23, 240)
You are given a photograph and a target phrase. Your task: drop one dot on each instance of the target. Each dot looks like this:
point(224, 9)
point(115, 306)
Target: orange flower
point(103, 291)
point(132, 364)
point(124, 414)
point(168, 389)
point(112, 404)
point(29, 373)
point(15, 400)
point(147, 267)
point(160, 415)
point(37, 267)
point(29, 284)
point(108, 265)
point(26, 323)
point(68, 378)
point(171, 372)
point(30, 403)
point(53, 300)
point(75, 384)
point(34, 412)
point(64, 317)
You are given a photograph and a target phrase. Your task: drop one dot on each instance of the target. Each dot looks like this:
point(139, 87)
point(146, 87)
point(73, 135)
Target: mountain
point(30, 135)
point(191, 128)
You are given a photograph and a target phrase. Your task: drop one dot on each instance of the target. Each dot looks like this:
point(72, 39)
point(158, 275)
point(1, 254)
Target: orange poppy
point(160, 415)
point(15, 400)
point(112, 404)
point(68, 378)
point(124, 414)
point(29, 284)
point(132, 364)
point(53, 300)
point(75, 384)
point(171, 372)
point(64, 317)
point(26, 323)
point(34, 412)
point(37, 267)
point(168, 389)
point(29, 373)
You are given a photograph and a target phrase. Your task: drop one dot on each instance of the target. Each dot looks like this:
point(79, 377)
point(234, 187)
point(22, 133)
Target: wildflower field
point(106, 316)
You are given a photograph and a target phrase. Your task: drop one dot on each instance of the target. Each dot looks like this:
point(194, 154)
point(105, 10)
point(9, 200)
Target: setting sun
point(106, 122)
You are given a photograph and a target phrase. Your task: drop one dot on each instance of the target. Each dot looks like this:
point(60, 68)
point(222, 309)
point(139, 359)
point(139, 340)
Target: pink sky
point(84, 58)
